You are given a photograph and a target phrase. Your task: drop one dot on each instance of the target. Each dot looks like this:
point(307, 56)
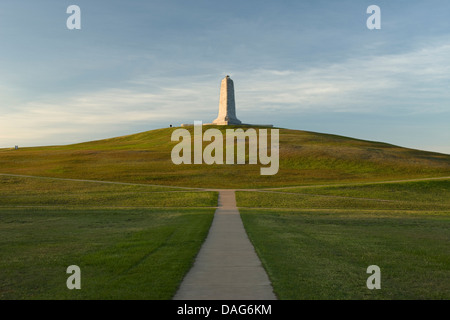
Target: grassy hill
point(306, 158)
point(319, 223)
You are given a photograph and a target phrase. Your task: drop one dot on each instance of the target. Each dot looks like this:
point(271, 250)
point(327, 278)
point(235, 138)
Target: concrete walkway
point(227, 266)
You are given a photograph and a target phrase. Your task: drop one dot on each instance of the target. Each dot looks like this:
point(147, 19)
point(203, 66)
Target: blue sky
point(308, 65)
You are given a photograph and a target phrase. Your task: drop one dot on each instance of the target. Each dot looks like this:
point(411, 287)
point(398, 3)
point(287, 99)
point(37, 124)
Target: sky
point(308, 65)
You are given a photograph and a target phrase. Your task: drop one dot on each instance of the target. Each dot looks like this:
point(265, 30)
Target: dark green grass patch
point(325, 255)
point(122, 253)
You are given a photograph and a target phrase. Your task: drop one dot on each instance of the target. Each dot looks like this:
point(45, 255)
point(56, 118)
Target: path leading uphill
point(226, 267)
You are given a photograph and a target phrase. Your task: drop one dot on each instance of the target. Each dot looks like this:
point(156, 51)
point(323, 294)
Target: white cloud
point(415, 79)
point(413, 82)
point(64, 120)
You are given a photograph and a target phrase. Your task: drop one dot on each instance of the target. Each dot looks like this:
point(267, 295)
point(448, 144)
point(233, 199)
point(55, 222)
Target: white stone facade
point(227, 104)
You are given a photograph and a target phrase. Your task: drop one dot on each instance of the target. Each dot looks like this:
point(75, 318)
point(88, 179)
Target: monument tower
point(227, 105)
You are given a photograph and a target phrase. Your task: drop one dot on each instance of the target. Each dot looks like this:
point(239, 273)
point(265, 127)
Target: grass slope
point(25, 191)
point(126, 245)
point(122, 253)
point(318, 246)
point(324, 255)
point(305, 158)
point(321, 244)
point(432, 195)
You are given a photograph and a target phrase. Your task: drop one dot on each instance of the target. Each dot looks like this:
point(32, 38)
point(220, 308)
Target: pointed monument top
point(227, 106)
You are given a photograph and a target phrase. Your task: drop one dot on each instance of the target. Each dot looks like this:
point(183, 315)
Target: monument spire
point(227, 105)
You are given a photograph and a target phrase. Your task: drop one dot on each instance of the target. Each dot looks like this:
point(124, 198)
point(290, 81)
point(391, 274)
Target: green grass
point(324, 255)
point(125, 248)
point(122, 253)
point(321, 244)
point(306, 158)
point(137, 241)
point(420, 195)
point(24, 191)
point(425, 191)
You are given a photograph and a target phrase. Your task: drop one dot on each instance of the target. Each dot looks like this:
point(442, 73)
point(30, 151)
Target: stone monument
point(227, 105)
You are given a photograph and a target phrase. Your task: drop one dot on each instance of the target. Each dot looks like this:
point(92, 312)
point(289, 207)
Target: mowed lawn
point(319, 245)
point(136, 241)
point(27, 191)
point(125, 248)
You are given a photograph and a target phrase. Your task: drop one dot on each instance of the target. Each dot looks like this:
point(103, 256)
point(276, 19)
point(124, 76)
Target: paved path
point(227, 266)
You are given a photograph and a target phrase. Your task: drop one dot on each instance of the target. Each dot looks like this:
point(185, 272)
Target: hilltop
point(306, 158)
